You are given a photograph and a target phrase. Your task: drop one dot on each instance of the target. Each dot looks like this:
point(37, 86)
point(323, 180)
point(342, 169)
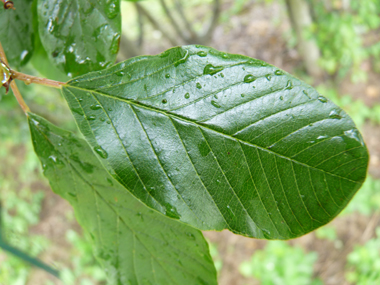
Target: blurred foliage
point(215, 256)
point(340, 27)
point(364, 263)
point(84, 270)
point(281, 264)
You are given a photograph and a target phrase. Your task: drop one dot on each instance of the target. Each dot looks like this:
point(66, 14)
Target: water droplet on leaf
point(211, 70)
point(101, 152)
point(249, 78)
point(278, 72)
point(202, 53)
point(335, 115)
point(215, 104)
point(199, 86)
point(289, 85)
point(112, 9)
point(95, 107)
point(322, 99)
point(187, 95)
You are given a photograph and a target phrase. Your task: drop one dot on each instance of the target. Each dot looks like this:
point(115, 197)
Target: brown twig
point(15, 90)
point(28, 79)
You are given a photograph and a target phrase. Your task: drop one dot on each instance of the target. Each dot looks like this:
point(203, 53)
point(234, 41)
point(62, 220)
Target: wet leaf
point(16, 32)
point(80, 36)
point(135, 244)
point(221, 141)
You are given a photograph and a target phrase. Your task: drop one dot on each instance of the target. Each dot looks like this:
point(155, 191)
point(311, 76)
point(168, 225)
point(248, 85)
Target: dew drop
point(95, 107)
point(112, 9)
point(242, 95)
point(322, 99)
point(335, 115)
point(187, 95)
point(268, 77)
point(289, 85)
point(28, 81)
point(215, 104)
point(91, 118)
point(225, 55)
point(110, 109)
point(322, 137)
point(183, 59)
point(102, 153)
point(167, 75)
point(202, 53)
point(164, 101)
point(281, 98)
point(307, 94)
point(120, 73)
point(249, 78)
point(278, 72)
point(114, 48)
point(354, 134)
point(211, 70)
point(199, 86)
point(222, 75)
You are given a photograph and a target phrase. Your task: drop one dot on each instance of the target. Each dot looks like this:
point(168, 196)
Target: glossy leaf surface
point(221, 141)
point(134, 243)
point(16, 32)
point(80, 35)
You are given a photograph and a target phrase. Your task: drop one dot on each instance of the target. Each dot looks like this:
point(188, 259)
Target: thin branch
point(214, 21)
point(188, 26)
point(28, 79)
point(141, 28)
point(156, 25)
point(173, 21)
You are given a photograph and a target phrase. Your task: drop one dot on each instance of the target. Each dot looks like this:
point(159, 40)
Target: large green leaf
point(80, 35)
point(16, 32)
point(221, 141)
point(135, 244)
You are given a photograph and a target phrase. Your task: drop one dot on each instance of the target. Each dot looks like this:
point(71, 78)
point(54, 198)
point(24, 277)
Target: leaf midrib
point(169, 114)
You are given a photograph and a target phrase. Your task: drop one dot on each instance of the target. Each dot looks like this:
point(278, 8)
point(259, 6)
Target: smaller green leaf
point(80, 36)
point(135, 244)
point(16, 32)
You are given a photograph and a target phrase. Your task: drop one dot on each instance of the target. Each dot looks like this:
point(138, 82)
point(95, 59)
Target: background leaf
point(135, 244)
point(80, 35)
point(221, 141)
point(16, 32)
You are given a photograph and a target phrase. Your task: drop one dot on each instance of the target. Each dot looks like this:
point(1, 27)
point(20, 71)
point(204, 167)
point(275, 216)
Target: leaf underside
point(135, 244)
point(221, 141)
point(16, 32)
point(80, 35)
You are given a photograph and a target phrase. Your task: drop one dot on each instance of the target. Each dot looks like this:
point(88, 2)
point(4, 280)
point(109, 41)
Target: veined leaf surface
point(221, 141)
point(134, 243)
point(80, 35)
